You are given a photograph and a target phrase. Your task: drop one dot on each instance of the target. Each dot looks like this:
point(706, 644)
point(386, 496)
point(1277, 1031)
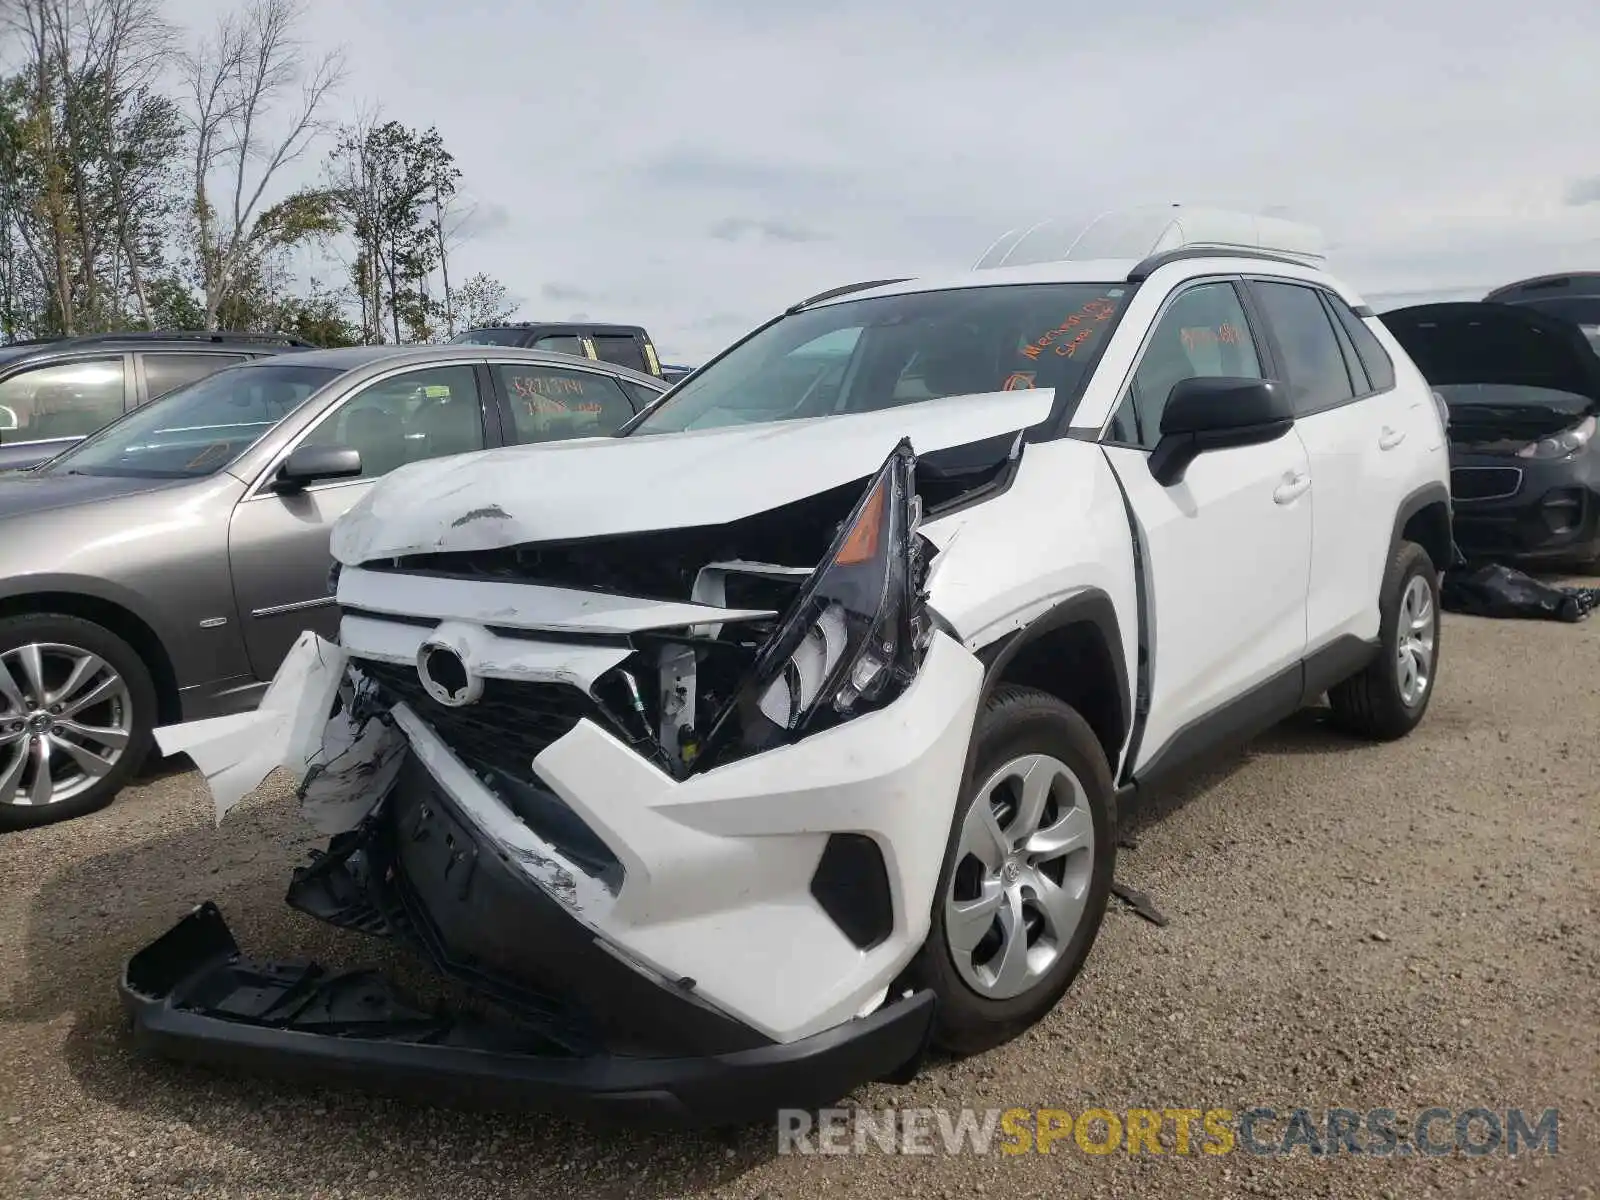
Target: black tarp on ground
point(1496, 590)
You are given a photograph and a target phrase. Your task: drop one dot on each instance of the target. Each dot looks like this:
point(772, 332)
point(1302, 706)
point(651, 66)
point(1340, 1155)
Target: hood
point(27, 493)
point(1484, 343)
point(596, 487)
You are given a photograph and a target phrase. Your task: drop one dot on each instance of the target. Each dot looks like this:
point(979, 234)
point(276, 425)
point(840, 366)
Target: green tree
point(483, 300)
point(391, 182)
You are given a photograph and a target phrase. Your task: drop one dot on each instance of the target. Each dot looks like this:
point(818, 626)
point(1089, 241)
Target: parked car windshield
point(199, 429)
point(859, 356)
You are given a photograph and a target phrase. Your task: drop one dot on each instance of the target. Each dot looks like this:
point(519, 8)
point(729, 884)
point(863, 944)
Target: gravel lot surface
point(1392, 927)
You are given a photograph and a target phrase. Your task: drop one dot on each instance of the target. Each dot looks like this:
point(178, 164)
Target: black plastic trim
point(1341, 658)
point(1155, 262)
point(1427, 494)
point(1363, 311)
point(1141, 599)
point(851, 883)
point(1234, 723)
point(1091, 606)
point(293, 1021)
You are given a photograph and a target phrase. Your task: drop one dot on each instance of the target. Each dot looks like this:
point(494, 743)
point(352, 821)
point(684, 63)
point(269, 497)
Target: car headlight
point(1560, 445)
point(854, 637)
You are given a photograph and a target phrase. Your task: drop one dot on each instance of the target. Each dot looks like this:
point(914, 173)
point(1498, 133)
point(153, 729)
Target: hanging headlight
point(853, 638)
point(1559, 445)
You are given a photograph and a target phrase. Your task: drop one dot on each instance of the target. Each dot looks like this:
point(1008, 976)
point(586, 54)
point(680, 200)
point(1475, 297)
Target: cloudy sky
point(696, 165)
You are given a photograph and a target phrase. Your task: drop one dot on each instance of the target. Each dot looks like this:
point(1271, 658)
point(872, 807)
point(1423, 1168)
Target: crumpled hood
point(596, 487)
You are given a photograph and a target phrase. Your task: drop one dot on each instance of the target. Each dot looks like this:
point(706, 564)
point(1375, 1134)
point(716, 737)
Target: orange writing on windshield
point(1203, 335)
point(1079, 325)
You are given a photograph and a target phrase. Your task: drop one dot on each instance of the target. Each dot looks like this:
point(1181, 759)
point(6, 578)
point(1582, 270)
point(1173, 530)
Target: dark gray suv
point(159, 570)
point(55, 392)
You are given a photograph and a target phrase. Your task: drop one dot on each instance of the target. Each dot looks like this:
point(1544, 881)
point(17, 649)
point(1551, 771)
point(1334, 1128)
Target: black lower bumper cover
point(192, 996)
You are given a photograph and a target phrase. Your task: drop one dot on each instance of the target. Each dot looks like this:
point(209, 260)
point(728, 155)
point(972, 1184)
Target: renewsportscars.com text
point(1261, 1130)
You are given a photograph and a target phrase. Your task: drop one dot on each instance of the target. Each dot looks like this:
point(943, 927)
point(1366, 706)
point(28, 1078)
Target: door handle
point(1292, 488)
point(1389, 438)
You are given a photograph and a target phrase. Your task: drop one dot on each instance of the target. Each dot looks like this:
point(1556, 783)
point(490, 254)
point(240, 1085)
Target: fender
point(1427, 494)
point(21, 586)
point(1090, 606)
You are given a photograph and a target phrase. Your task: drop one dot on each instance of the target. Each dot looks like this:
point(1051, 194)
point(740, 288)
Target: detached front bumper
point(582, 1032)
point(193, 996)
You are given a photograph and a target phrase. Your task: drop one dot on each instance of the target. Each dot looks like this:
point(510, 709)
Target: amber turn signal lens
point(861, 545)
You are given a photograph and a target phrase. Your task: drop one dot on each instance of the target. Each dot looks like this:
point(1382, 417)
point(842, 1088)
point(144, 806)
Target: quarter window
point(624, 350)
point(1379, 366)
point(1312, 359)
point(62, 400)
point(552, 403)
point(407, 418)
point(1203, 334)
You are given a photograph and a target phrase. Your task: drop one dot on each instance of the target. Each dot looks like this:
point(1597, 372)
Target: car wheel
point(1387, 699)
point(77, 715)
point(1026, 876)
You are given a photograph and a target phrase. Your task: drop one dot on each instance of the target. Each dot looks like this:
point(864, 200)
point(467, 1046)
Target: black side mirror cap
point(312, 464)
point(1217, 413)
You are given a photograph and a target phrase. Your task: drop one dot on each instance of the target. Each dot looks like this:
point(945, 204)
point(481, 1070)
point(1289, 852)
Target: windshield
point(863, 355)
point(489, 337)
point(199, 429)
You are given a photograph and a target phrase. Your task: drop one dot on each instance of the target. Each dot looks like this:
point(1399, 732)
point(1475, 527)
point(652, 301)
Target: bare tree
point(252, 65)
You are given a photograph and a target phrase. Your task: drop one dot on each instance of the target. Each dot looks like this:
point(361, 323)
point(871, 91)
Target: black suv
point(57, 391)
point(626, 345)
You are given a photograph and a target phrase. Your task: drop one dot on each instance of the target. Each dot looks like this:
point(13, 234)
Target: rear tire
point(89, 731)
point(1387, 700)
point(1038, 857)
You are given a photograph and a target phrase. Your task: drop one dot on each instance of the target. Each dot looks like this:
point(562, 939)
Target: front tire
point(1387, 700)
point(1027, 873)
point(77, 718)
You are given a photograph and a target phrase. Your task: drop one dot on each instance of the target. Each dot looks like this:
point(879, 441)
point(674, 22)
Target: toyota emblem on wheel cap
point(445, 675)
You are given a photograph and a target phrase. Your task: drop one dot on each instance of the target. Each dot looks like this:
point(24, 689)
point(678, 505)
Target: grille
point(1484, 483)
point(508, 727)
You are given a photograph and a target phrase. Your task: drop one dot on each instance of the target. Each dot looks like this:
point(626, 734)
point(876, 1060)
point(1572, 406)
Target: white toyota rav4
point(736, 759)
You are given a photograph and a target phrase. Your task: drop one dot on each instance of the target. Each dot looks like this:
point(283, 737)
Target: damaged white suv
point(738, 758)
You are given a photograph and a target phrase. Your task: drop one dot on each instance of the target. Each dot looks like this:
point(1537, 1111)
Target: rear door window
point(1317, 376)
point(552, 403)
point(164, 373)
point(623, 349)
point(61, 400)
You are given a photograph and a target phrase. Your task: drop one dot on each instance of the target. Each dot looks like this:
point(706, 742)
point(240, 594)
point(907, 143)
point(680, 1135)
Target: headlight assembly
point(855, 635)
point(1568, 441)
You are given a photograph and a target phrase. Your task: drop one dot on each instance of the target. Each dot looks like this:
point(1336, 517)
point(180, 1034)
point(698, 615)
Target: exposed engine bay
point(683, 697)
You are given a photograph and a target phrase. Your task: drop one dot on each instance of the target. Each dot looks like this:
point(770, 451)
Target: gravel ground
point(1391, 927)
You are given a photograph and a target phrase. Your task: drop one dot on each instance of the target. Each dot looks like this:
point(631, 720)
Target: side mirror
point(312, 464)
point(1217, 414)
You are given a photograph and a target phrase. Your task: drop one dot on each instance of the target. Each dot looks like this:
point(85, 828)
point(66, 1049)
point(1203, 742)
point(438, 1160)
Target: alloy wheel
point(66, 717)
point(1415, 643)
point(1021, 880)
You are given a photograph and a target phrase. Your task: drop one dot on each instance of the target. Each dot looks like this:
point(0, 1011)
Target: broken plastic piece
point(1140, 902)
point(235, 753)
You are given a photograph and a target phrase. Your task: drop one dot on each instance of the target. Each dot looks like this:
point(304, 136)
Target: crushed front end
point(672, 805)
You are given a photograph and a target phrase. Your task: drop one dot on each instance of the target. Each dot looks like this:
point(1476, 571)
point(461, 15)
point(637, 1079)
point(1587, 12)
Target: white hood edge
point(604, 486)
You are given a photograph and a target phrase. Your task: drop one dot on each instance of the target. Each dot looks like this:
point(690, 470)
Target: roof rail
point(1155, 262)
point(1143, 233)
point(834, 293)
point(188, 335)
